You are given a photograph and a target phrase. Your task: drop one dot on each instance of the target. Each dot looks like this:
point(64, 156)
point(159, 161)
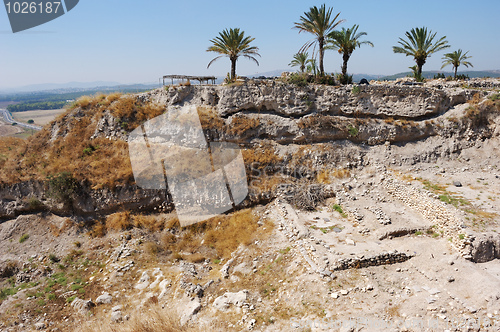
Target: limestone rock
point(223, 302)
point(105, 298)
point(82, 305)
point(189, 310)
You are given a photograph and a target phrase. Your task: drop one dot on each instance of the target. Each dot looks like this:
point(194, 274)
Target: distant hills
point(77, 86)
point(71, 88)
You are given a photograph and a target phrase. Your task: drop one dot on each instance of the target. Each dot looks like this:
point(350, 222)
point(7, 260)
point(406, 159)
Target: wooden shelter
point(189, 78)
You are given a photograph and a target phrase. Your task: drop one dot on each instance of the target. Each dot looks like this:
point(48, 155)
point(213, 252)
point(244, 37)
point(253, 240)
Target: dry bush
point(194, 258)
point(476, 99)
point(11, 150)
point(132, 112)
point(120, 221)
point(209, 118)
point(340, 173)
point(98, 229)
point(83, 102)
point(479, 114)
point(151, 222)
point(8, 269)
point(323, 177)
point(113, 97)
point(307, 196)
point(150, 319)
point(168, 241)
point(240, 124)
point(152, 248)
point(56, 230)
point(261, 156)
point(226, 233)
point(263, 184)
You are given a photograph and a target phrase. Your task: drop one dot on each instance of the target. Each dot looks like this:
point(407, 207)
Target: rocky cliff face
point(300, 130)
point(376, 101)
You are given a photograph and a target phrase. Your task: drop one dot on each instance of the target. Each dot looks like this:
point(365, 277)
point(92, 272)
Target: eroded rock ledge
point(378, 101)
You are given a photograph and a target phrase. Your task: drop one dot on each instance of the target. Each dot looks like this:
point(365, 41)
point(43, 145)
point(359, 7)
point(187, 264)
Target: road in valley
point(9, 119)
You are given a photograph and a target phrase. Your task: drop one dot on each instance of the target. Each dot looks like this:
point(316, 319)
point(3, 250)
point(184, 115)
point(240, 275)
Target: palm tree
point(456, 59)
point(300, 60)
point(346, 41)
point(420, 46)
point(233, 44)
point(312, 66)
point(318, 22)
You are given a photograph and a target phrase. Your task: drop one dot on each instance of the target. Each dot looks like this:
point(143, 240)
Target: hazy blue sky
point(139, 41)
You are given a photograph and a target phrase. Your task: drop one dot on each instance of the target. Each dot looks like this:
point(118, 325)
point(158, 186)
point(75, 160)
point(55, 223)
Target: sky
point(137, 41)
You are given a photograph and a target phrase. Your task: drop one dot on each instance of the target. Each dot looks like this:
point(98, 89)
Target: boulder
point(222, 303)
point(485, 247)
point(189, 310)
point(105, 298)
point(143, 282)
point(82, 305)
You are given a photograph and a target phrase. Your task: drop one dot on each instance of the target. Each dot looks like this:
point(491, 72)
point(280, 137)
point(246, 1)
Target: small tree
point(312, 66)
point(299, 60)
point(456, 59)
point(345, 42)
point(232, 44)
point(319, 22)
point(420, 45)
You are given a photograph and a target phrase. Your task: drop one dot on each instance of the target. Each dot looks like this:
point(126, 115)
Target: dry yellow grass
point(122, 221)
point(261, 156)
point(241, 124)
point(325, 176)
point(209, 118)
point(149, 319)
point(100, 161)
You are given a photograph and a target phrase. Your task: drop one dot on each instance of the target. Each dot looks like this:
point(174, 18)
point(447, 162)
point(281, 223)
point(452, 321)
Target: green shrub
point(62, 186)
point(34, 203)
point(23, 238)
point(326, 79)
point(53, 258)
point(344, 79)
point(355, 90)
point(339, 209)
point(299, 79)
point(353, 131)
point(494, 97)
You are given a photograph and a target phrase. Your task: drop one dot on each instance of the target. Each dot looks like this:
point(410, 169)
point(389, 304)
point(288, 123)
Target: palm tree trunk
point(344, 65)
point(233, 69)
point(420, 64)
point(456, 68)
point(321, 53)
